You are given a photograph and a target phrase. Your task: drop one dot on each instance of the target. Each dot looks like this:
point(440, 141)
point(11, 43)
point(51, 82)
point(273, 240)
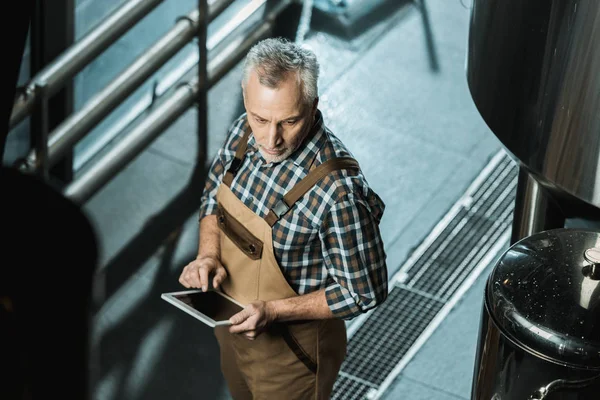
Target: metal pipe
point(49, 80)
point(202, 97)
point(216, 7)
point(535, 210)
point(127, 148)
point(245, 14)
point(143, 134)
point(72, 129)
point(141, 105)
point(234, 23)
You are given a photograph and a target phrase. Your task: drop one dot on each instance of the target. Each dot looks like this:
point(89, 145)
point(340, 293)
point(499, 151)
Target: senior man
point(289, 228)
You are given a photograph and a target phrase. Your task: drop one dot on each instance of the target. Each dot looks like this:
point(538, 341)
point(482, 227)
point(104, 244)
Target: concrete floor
point(396, 94)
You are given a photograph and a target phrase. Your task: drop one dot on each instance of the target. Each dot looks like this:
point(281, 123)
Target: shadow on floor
point(145, 355)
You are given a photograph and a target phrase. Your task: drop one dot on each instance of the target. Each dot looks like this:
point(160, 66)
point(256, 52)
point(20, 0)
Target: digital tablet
point(212, 307)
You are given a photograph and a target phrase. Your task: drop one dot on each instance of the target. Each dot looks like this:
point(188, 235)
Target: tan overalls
point(293, 360)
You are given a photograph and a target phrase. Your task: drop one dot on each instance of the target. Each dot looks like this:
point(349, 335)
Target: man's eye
point(290, 122)
point(261, 121)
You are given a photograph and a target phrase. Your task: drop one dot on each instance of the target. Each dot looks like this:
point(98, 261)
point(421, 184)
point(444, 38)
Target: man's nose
point(274, 136)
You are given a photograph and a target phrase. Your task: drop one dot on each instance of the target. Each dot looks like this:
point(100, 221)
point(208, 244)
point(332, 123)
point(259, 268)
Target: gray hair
point(273, 58)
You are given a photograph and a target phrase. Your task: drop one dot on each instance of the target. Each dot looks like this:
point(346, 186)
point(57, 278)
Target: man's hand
point(253, 319)
point(196, 274)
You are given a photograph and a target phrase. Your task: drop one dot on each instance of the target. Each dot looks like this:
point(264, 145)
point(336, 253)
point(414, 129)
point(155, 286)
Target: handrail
point(51, 79)
point(76, 126)
point(126, 149)
point(72, 129)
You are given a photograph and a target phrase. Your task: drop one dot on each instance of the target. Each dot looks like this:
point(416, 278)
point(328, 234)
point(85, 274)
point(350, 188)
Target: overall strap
point(291, 197)
point(236, 163)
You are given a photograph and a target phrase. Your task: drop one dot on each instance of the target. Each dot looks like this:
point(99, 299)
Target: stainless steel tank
point(540, 326)
point(533, 69)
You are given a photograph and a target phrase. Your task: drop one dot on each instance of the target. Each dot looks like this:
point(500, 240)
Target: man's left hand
point(253, 319)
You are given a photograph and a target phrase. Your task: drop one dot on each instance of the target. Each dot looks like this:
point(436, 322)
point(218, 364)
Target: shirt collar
point(304, 156)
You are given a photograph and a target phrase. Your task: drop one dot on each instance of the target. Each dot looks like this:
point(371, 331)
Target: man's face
point(278, 117)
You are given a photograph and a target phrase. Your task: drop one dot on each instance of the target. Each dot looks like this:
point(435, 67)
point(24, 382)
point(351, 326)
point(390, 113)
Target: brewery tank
point(540, 323)
point(533, 70)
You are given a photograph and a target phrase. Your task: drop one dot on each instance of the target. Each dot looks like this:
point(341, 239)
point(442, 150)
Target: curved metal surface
point(542, 297)
point(534, 211)
point(505, 371)
point(558, 385)
point(540, 325)
point(533, 72)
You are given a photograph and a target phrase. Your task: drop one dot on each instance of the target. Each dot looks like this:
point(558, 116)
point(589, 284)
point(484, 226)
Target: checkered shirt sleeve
point(354, 256)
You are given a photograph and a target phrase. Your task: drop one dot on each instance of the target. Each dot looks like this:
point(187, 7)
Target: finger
point(220, 276)
point(183, 281)
point(183, 277)
point(251, 335)
point(203, 277)
point(238, 318)
point(191, 277)
point(241, 328)
point(242, 323)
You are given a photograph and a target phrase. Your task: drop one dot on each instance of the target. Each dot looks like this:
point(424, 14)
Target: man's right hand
point(197, 273)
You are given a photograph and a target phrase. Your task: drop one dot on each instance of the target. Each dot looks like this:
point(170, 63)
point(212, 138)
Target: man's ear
point(315, 105)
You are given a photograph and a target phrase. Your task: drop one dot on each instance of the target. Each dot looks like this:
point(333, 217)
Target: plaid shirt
point(330, 238)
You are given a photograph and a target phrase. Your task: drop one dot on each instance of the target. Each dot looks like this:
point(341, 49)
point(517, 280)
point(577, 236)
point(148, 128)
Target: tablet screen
point(211, 304)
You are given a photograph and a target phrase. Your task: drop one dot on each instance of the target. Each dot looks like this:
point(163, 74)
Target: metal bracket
point(154, 93)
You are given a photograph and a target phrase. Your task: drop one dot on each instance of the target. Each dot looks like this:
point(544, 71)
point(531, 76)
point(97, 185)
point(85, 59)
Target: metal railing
point(52, 78)
point(143, 134)
point(212, 66)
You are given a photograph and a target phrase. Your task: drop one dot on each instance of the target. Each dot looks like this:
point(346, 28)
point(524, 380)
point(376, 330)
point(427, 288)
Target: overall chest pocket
point(238, 234)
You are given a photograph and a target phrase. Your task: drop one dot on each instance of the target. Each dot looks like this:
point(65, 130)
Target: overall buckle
point(280, 208)
point(236, 163)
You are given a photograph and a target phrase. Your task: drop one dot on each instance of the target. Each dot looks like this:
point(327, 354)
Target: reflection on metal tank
point(539, 332)
point(533, 69)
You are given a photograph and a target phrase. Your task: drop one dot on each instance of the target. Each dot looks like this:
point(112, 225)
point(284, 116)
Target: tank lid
point(544, 294)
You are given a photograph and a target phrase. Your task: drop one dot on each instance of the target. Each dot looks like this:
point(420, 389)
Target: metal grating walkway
point(430, 282)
